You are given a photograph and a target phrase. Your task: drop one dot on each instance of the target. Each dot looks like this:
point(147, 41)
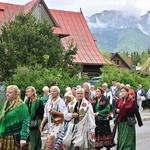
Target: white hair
point(56, 87)
point(87, 83)
point(78, 86)
point(104, 84)
point(68, 89)
point(45, 88)
point(68, 94)
point(128, 85)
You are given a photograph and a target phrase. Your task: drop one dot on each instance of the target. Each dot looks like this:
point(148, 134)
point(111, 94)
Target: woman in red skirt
point(102, 130)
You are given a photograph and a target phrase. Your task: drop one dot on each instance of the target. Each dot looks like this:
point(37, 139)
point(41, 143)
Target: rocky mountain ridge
point(117, 31)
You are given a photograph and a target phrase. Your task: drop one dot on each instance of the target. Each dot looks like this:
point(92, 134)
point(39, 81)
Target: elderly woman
point(80, 112)
point(36, 111)
point(102, 111)
point(46, 94)
point(55, 109)
point(126, 109)
point(68, 97)
point(14, 118)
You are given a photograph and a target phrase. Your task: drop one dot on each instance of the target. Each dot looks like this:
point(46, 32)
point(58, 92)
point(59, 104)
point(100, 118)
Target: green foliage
point(106, 54)
point(31, 54)
point(26, 42)
point(39, 77)
point(144, 56)
point(124, 76)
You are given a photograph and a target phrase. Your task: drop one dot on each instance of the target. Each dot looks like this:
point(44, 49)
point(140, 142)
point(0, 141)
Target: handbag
point(59, 119)
point(33, 124)
point(143, 98)
point(131, 121)
point(16, 137)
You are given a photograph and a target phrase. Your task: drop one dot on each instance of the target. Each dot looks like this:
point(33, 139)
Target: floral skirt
point(7, 143)
point(52, 137)
point(103, 136)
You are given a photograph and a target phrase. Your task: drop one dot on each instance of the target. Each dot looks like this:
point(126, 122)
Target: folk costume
point(126, 133)
point(102, 130)
point(14, 118)
point(79, 134)
point(54, 129)
point(36, 111)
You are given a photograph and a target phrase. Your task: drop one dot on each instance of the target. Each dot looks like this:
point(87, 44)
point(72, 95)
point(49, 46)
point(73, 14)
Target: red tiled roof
point(60, 31)
point(29, 6)
point(75, 24)
point(7, 11)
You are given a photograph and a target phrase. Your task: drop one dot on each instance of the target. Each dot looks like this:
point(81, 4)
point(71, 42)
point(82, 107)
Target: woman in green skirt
point(126, 110)
point(36, 111)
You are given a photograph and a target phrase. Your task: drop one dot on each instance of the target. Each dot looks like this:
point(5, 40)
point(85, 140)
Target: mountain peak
point(114, 27)
point(112, 18)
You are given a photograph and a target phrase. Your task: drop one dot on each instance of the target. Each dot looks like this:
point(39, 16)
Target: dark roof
point(117, 55)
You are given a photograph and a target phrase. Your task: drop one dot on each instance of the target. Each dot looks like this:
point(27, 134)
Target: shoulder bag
point(101, 119)
point(59, 119)
point(131, 121)
point(17, 138)
point(143, 98)
point(33, 124)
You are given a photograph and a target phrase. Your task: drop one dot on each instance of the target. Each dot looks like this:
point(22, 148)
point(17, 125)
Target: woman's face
point(67, 98)
point(98, 93)
point(73, 91)
point(124, 93)
point(79, 94)
point(11, 94)
point(29, 93)
point(54, 93)
point(46, 92)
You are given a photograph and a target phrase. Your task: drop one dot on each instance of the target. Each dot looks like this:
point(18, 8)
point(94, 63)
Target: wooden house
point(119, 61)
point(68, 25)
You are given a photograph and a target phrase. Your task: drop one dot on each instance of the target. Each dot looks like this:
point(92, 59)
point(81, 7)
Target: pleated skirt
point(7, 143)
point(126, 137)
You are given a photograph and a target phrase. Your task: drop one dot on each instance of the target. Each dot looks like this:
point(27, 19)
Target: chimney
point(128, 60)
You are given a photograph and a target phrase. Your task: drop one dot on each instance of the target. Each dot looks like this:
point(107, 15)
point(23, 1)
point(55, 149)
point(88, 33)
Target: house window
point(117, 62)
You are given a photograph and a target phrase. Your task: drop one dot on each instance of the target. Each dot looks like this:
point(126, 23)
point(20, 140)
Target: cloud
point(130, 9)
point(90, 7)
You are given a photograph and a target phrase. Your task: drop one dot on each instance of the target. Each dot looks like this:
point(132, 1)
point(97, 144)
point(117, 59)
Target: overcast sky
point(90, 7)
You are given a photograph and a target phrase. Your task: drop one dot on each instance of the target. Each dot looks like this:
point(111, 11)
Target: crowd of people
point(78, 120)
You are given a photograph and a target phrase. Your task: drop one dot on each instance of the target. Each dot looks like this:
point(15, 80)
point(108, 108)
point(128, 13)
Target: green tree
point(124, 76)
point(26, 42)
point(39, 77)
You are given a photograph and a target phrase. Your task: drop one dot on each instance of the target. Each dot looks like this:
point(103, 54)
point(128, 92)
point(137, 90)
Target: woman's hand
point(117, 110)
point(41, 127)
point(75, 115)
point(96, 114)
point(22, 143)
point(92, 134)
point(53, 112)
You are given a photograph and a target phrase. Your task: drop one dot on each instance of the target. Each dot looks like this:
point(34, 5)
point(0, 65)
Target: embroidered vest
point(82, 110)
